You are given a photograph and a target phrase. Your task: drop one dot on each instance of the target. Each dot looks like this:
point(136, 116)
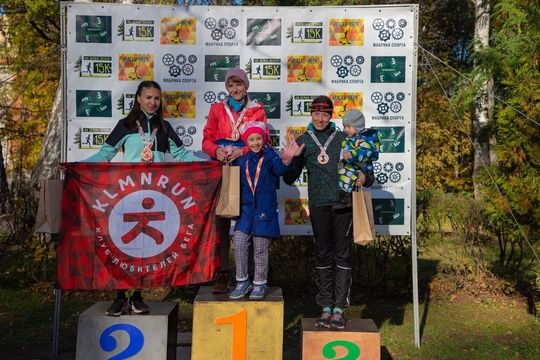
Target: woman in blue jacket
point(260, 169)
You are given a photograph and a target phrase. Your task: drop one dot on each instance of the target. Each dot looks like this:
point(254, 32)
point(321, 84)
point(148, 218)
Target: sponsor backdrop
point(361, 57)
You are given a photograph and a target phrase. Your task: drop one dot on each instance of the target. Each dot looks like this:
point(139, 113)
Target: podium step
point(360, 340)
point(144, 336)
point(237, 329)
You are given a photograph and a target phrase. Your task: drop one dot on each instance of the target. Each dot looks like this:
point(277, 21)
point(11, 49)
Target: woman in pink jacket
point(222, 142)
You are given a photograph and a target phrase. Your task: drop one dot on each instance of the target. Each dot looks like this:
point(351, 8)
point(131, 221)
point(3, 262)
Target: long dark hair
point(137, 114)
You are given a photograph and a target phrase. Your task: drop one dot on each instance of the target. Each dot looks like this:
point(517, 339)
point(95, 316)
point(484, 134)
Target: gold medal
point(147, 155)
point(323, 158)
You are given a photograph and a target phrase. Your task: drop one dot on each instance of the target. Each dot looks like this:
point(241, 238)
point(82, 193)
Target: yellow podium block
point(360, 340)
point(244, 329)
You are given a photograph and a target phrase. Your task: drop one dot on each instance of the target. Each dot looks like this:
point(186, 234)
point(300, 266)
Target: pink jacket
point(218, 125)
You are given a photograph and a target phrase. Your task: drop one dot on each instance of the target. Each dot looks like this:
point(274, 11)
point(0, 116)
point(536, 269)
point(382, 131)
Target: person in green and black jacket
point(330, 220)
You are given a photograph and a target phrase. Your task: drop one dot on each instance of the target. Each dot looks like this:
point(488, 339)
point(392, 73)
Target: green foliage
point(511, 187)
point(27, 258)
point(32, 63)
point(444, 150)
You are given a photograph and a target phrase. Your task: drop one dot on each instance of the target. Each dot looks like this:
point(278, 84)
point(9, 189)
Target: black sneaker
point(118, 306)
point(337, 322)
point(137, 304)
point(324, 320)
point(222, 283)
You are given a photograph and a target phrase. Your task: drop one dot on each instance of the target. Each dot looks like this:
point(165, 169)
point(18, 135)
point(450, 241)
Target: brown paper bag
point(363, 221)
point(228, 205)
point(49, 212)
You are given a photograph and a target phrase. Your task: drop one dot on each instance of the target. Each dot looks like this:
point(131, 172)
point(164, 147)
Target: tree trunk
point(47, 163)
point(484, 142)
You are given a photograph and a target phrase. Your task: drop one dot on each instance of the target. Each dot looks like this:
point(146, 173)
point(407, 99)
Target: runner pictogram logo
point(144, 223)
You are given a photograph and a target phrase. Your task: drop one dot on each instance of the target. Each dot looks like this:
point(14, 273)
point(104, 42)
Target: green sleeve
point(179, 153)
point(105, 154)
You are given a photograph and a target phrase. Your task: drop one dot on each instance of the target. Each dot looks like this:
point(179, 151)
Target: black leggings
point(333, 242)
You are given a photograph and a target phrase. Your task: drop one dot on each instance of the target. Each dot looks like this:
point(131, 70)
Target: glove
point(290, 151)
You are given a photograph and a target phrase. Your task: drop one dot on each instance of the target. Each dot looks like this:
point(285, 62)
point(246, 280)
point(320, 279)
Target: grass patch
point(451, 328)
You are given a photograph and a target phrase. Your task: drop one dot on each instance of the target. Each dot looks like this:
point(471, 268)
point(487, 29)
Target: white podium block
point(132, 336)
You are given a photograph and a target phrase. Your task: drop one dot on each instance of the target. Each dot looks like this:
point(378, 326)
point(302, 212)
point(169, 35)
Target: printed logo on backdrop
point(305, 32)
point(392, 139)
point(178, 31)
point(299, 105)
point(344, 101)
point(295, 132)
point(179, 104)
point(390, 103)
point(135, 67)
point(275, 139)
point(216, 67)
point(263, 32)
point(348, 69)
point(222, 29)
point(91, 138)
point(264, 69)
point(136, 30)
point(93, 103)
point(346, 32)
point(180, 65)
point(296, 212)
point(94, 66)
point(304, 68)
point(93, 29)
point(211, 97)
point(390, 32)
point(388, 69)
point(186, 134)
point(388, 175)
point(389, 211)
point(270, 101)
point(125, 103)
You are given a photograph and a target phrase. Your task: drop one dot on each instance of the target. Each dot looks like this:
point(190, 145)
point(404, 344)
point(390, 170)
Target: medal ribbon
point(235, 124)
point(150, 143)
point(253, 185)
point(326, 144)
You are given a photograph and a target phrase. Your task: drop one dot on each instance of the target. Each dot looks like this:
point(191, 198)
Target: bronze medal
point(147, 155)
point(323, 158)
point(235, 134)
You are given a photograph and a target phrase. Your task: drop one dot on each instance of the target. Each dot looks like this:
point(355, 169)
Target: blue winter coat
point(258, 215)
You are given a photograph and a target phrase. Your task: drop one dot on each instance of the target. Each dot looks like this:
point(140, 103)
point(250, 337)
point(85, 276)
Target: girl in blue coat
point(260, 170)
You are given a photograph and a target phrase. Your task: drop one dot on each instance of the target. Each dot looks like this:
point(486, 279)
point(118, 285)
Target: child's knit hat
point(255, 127)
point(356, 119)
point(240, 74)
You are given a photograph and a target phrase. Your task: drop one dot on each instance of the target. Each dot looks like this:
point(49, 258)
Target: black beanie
point(322, 103)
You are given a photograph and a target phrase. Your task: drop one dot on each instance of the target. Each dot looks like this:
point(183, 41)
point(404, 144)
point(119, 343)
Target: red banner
point(137, 225)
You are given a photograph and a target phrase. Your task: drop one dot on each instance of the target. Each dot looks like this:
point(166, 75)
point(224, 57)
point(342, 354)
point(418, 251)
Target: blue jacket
point(258, 214)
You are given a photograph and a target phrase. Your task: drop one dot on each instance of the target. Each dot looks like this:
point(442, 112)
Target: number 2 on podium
point(239, 333)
